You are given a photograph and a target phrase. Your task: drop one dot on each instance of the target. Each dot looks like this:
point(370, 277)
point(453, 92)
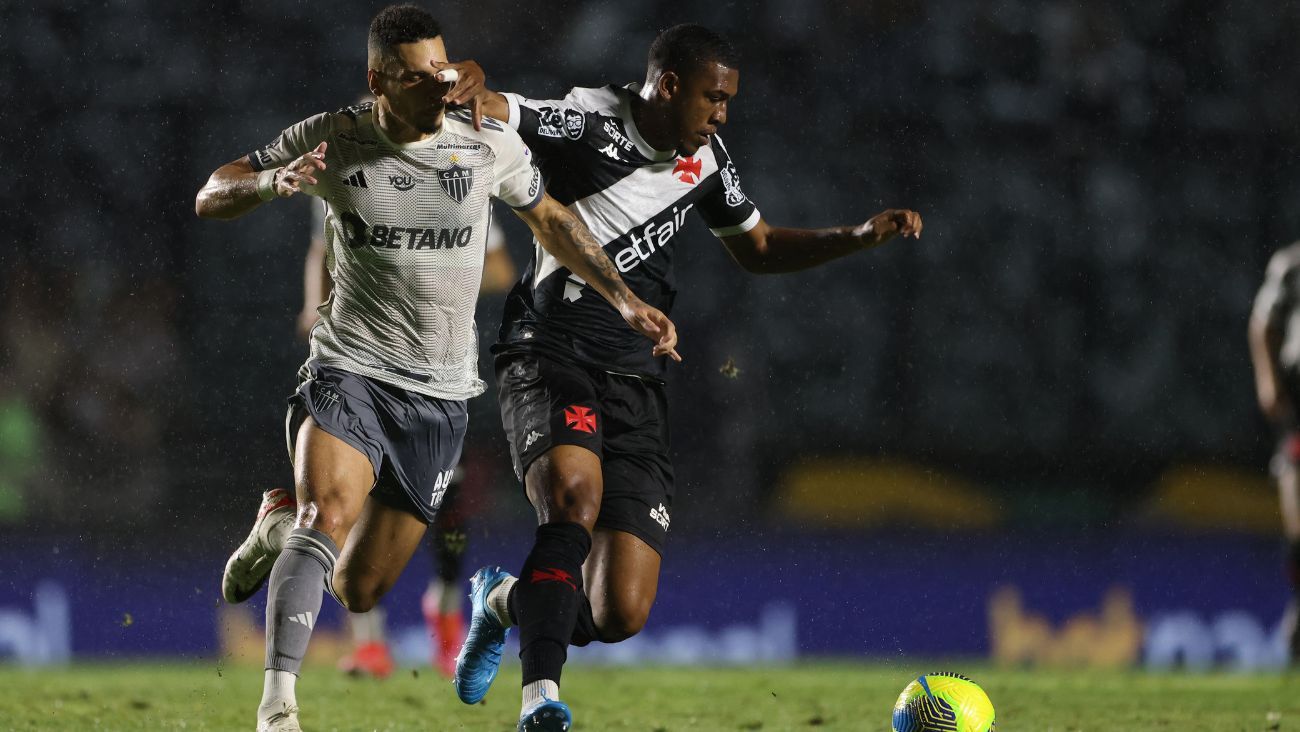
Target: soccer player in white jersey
point(584, 411)
point(376, 424)
point(1274, 337)
point(448, 535)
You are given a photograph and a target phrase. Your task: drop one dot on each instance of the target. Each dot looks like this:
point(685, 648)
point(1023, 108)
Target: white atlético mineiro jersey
point(405, 226)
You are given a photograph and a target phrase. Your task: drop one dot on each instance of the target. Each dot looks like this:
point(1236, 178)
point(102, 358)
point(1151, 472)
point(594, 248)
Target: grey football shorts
point(413, 441)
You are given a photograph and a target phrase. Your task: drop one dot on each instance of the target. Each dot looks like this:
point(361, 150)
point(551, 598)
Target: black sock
point(584, 630)
point(546, 599)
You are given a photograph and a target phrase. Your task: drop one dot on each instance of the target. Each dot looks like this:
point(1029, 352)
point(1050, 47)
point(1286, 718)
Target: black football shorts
point(413, 440)
point(623, 419)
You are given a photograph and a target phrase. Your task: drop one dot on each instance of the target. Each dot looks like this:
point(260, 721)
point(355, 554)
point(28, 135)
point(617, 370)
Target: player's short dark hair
point(395, 25)
point(687, 47)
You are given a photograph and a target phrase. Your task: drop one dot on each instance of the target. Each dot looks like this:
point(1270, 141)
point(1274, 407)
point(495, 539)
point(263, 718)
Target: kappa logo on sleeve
point(615, 133)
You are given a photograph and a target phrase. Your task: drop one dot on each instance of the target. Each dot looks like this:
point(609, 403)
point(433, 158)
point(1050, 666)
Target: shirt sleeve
point(546, 124)
point(724, 207)
point(515, 179)
point(292, 143)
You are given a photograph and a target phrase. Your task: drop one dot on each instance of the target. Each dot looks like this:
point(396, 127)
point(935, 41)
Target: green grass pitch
point(166, 695)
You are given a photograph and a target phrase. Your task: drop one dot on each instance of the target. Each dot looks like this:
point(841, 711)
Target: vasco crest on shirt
point(731, 185)
point(457, 180)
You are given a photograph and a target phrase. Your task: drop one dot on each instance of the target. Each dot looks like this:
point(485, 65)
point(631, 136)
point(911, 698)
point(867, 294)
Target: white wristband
point(266, 184)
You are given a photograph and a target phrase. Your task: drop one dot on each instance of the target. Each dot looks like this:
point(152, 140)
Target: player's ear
point(669, 84)
point(372, 83)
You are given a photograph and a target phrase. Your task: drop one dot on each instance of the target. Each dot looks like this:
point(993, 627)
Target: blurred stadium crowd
point(1102, 184)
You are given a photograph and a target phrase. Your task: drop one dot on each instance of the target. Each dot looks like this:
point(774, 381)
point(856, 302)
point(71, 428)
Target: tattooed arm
point(567, 239)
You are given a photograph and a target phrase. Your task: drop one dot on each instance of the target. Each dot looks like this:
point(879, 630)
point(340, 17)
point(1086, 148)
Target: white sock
point(447, 599)
point(367, 627)
point(277, 531)
point(496, 601)
point(277, 693)
point(538, 690)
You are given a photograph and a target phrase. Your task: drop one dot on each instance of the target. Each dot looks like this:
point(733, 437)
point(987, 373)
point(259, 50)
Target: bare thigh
point(332, 479)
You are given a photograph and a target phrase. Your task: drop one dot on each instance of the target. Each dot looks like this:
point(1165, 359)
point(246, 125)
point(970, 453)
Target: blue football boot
point(480, 657)
point(548, 716)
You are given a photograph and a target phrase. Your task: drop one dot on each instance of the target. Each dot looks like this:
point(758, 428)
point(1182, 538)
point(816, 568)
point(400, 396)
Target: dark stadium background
point(1062, 357)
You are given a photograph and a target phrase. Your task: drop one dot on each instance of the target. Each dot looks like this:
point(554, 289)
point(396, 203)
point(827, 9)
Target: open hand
point(466, 87)
point(653, 324)
point(290, 179)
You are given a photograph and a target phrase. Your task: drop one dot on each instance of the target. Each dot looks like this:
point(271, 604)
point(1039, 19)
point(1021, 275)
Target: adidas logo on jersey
point(356, 180)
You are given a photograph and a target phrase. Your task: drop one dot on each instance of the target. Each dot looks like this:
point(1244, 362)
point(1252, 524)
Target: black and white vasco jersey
point(405, 226)
point(634, 199)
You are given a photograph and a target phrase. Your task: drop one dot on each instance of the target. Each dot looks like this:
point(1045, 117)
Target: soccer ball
point(943, 702)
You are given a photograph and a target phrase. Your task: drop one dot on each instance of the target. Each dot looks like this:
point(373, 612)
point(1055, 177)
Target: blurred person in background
point(441, 603)
point(378, 421)
point(584, 407)
point(1274, 336)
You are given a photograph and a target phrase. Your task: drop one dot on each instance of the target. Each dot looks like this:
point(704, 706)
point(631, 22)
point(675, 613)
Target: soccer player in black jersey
point(1275, 350)
point(582, 403)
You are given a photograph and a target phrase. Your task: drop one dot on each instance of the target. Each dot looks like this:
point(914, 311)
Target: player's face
point(700, 105)
point(412, 94)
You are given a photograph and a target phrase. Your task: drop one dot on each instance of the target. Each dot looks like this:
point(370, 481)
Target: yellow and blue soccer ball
point(943, 702)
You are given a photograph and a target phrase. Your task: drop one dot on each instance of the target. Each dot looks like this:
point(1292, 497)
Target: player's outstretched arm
point(235, 188)
point(567, 239)
point(772, 249)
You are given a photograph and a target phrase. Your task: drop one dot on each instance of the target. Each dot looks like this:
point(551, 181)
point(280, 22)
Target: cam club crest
point(456, 181)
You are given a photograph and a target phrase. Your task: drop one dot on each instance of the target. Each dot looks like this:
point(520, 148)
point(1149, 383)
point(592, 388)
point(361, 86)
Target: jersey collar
point(374, 121)
point(625, 111)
